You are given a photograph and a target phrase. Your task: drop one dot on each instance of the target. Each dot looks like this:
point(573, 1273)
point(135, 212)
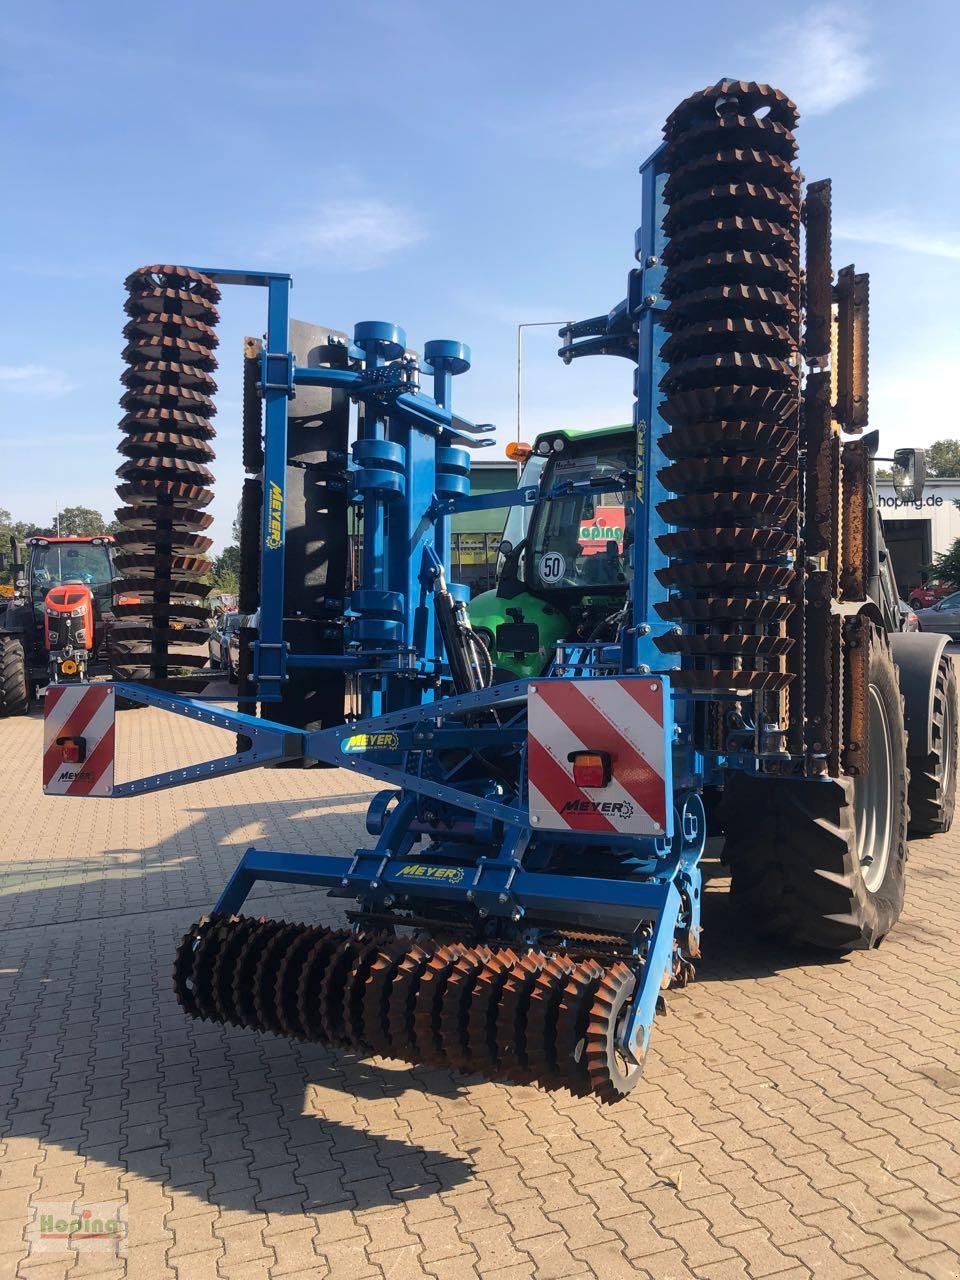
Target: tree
point(946, 566)
point(18, 529)
point(77, 522)
point(226, 571)
point(943, 458)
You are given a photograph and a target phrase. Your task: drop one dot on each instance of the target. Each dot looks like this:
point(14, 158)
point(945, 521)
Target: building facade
point(916, 532)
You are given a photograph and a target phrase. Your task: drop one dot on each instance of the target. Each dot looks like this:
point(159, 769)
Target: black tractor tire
point(14, 679)
point(251, 504)
point(933, 777)
point(792, 843)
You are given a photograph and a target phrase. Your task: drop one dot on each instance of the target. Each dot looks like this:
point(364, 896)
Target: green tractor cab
point(563, 564)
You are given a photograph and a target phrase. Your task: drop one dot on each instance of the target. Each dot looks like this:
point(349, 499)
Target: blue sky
point(456, 169)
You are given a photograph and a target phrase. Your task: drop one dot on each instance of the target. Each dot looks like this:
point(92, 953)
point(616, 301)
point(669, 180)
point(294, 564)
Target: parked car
point(223, 628)
point(927, 596)
point(944, 616)
point(908, 619)
point(233, 642)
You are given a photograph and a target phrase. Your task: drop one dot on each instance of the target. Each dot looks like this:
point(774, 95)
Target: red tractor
point(55, 627)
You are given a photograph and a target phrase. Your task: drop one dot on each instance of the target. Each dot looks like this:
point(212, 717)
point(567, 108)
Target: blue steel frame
point(410, 459)
point(411, 472)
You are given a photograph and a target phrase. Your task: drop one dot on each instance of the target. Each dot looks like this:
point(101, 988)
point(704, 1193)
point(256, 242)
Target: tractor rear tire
point(14, 680)
point(933, 777)
point(821, 862)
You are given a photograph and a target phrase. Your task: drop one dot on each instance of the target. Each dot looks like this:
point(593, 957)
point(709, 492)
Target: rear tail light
point(591, 769)
point(72, 750)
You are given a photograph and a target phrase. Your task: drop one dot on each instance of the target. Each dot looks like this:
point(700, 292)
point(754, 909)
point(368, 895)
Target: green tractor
point(562, 564)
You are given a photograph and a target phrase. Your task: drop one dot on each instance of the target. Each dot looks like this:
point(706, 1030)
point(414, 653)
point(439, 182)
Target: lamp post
point(529, 324)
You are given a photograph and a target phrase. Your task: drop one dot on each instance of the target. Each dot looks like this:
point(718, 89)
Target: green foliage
point(18, 529)
point(226, 571)
point(77, 522)
point(943, 458)
point(946, 567)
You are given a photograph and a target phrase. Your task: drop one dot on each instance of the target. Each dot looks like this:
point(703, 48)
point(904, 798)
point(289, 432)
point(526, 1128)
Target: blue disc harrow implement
point(531, 886)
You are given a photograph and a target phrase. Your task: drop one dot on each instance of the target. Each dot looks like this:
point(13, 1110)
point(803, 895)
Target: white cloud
point(912, 400)
point(820, 58)
point(895, 232)
point(355, 233)
point(34, 379)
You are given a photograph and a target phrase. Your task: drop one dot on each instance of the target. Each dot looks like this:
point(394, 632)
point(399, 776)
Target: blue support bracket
point(270, 742)
point(658, 962)
point(496, 887)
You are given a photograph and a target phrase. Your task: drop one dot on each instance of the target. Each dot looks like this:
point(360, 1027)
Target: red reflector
point(72, 750)
point(590, 768)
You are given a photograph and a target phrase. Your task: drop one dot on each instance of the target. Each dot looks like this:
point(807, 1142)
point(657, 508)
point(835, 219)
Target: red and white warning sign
point(598, 755)
point(78, 740)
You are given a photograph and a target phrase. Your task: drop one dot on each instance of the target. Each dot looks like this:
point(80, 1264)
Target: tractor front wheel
point(14, 680)
point(822, 861)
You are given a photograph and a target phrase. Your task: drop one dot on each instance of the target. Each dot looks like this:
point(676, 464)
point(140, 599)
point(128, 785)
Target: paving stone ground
point(795, 1119)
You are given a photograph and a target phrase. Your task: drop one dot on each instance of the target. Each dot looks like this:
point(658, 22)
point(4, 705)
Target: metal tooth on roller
point(733, 367)
point(206, 965)
point(709, 439)
point(722, 235)
point(287, 984)
point(333, 989)
point(173, 377)
point(245, 968)
point(429, 1006)
point(724, 300)
point(543, 1010)
point(224, 965)
point(719, 643)
point(183, 987)
point(720, 609)
point(173, 442)
point(745, 164)
point(152, 418)
point(455, 1007)
point(512, 1013)
point(741, 509)
point(736, 473)
point(724, 200)
point(751, 576)
point(401, 1013)
point(265, 977)
point(482, 1020)
point(157, 395)
point(572, 1019)
point(742, 544)
point(354, 992)
point(726, 96)
point(310, 984)
point(376, 996)
point(734, 680)
point(704, 404)
point(715, 133)
point(611, 1075)
point(164, 482)
point(179, 328)
point(727, 335)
